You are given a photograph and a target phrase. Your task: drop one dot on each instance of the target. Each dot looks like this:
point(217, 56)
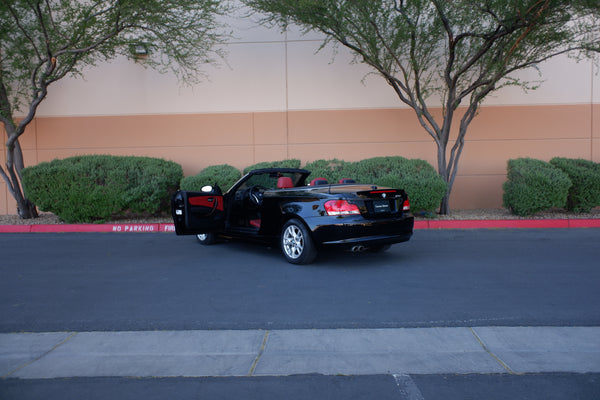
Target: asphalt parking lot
point(444, 316)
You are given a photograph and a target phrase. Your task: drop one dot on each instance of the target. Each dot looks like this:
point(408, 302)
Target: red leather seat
point(284, 182)
point(319, 181)
point(345, 180)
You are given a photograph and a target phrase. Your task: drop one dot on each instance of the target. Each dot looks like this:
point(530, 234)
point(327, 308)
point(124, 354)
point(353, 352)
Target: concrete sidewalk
point(512, 350)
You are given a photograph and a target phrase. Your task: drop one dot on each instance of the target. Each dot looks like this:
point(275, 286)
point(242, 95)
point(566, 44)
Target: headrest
point(319, 181)
point(284, 182)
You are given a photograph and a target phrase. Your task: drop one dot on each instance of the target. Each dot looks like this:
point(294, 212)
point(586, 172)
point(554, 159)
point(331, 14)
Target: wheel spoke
point(293, 242)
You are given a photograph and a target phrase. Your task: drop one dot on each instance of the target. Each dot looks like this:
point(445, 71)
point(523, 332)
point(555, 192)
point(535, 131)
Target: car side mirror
point(207, 189)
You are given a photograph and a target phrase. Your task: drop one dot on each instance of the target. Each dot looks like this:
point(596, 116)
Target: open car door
point(198, 212)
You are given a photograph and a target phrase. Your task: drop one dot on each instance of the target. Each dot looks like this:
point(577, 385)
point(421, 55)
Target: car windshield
point(269, 180)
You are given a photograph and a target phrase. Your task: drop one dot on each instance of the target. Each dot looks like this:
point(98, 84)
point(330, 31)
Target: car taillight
point(341, 207)
point(406, 205)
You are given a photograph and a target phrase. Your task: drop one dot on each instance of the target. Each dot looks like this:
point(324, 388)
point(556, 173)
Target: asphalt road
point(314, 387)
point(117, 282)
point(447, 278)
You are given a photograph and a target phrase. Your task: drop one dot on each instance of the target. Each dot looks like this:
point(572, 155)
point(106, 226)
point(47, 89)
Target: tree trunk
point(445, 204)
point(12, 176)
point(27, 210)
point(444, 172)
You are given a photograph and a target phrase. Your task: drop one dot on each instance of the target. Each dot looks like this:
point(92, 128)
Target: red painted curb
point(64, 228)
point(15, 228)
point(500, 223)
point(584, 223)
point(420, 224)
point(86, 228)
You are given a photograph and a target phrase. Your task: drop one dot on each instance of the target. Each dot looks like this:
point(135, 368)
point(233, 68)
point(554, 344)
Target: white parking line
point(407, 387)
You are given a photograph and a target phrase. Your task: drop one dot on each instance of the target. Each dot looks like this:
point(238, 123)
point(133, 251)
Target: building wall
point(275, 98)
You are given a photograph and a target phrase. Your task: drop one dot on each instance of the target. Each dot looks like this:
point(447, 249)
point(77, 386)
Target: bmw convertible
point(281, 206)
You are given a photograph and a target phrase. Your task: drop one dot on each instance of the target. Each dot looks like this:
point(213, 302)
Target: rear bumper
point(350, 231)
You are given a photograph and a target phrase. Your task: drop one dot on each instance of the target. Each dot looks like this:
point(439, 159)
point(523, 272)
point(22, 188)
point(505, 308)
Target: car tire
point(206, 238)
point(296, 243)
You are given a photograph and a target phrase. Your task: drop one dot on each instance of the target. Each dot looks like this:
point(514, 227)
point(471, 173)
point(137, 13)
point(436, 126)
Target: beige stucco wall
point(240, 139)
point(274, 97)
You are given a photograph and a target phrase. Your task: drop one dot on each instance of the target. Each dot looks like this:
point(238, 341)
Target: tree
point(456, 52)
point(42, 41)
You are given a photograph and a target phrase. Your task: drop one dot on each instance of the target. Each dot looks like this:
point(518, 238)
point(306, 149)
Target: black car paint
point(305, 203)
point(343, 231)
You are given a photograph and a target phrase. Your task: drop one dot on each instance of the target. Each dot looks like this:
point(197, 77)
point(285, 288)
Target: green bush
point(419, 179)
point(371, 170)
point(584, 194)
point(96, 188)
point(223, 175)
point(425, 192)
point(291, 163)
point(422, 183)
point(534, 186)
point(332, 170)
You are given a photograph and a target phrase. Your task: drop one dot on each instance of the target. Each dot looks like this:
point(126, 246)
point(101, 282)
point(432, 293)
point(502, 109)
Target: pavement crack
point(40, 357)
point(260, 352)
point(495, 357)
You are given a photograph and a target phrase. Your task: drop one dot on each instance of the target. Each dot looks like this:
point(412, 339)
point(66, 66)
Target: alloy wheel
point(293, 241)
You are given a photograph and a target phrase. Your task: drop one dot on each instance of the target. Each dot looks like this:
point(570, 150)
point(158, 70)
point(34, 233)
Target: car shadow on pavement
point(367, 259)
point(396, 256)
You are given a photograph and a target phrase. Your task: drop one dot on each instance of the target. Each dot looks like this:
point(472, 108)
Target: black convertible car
point(279, 205)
